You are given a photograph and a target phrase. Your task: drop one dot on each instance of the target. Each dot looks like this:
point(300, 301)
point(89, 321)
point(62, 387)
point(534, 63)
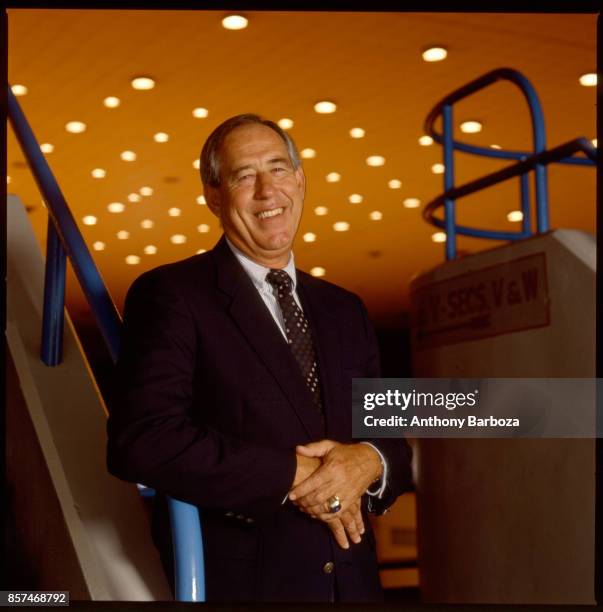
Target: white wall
point(512, 521)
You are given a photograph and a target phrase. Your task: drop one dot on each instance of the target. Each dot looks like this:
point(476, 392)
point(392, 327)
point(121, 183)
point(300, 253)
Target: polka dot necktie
point(297, 328)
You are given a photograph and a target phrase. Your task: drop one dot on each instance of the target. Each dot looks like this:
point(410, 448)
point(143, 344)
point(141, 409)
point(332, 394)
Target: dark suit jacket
point(210, 404)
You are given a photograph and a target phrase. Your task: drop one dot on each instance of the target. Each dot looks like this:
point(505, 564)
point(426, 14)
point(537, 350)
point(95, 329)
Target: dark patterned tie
point(298, 332)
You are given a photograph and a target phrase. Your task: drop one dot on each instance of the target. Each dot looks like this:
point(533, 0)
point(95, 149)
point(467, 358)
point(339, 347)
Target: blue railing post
point(542, 199)
point(540, 170)
point(524, 190)
point(449, 212)
point(54, 298)
point(189, 565)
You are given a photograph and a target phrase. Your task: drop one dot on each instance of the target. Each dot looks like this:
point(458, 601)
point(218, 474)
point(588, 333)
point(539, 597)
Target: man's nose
point(264, 185)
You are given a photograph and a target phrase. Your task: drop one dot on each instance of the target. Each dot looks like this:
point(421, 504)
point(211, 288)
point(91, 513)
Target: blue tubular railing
point(189, 566)
point(535, 160)
point(54, 298)
point(580, 144)
point(64, 239)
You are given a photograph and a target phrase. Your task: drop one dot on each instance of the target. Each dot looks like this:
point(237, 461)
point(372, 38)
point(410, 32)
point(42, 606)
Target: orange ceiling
point(368, 63)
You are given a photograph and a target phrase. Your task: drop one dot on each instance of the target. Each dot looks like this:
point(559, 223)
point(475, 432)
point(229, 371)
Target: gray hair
point(210, 154)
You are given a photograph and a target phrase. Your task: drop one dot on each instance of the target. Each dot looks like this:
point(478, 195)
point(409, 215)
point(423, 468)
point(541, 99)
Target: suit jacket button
point(229, 514)
point(328, 567)
point(240, 516)
point(249, 520)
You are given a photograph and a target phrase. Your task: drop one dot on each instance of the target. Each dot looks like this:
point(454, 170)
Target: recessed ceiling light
point(376, 215)
point(201, 251)
point(235, 22)
point(150, 249)
point(134, 197)
point(435, 54)
point(589, 79)
point(98, 173)
point(333, 177)
point(285, 123)
point(308, 153)
point(471, 127)
point(143, 83)
point(75, 127)
point(341, 226)
point(375, 160)
point(438, 168)
point(438, 237)
point(411, 203)
point(19, 90)
point(425, 141)
point(495, 146)
point(98, 246)
point(161, 137)
point(200, 112)
point(394, 184)
point(89, 220)
point(309, 237)
point(111, 102)
point(146, 224)
point(318, 271)
point(146, 191)
point(132, 260)
point(128, 156)
point(514, 216)
point(201, 200)
point(174, 212)
point(178, 239)
point(357, 132)
point(321, 211)
point(116, 207)
point(46, 147)
point(325, 107)
point(196, 164)
point(355, 198)
point(123, 235)
point(203, 228)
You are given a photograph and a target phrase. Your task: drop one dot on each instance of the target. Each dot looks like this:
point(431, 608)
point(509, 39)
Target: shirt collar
point(257, 272)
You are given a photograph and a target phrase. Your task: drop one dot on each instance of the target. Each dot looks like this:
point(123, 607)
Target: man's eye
point(278, 170)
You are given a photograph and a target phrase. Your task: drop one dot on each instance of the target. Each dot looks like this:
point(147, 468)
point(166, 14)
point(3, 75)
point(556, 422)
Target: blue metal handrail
point(531, 160)
point(189, 565)
point(64, 240)
point(518, 169)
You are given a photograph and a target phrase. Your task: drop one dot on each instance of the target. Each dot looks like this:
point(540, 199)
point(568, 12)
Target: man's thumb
point(316, 449)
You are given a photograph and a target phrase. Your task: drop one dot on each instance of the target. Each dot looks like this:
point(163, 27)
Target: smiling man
point(234, 393)
point(256, 191)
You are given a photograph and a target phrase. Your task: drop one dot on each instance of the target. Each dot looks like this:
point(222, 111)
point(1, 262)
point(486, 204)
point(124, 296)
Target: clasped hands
point(327, 468)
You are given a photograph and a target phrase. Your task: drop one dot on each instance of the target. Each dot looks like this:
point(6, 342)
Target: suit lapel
point(250, 314)
point(325, 328)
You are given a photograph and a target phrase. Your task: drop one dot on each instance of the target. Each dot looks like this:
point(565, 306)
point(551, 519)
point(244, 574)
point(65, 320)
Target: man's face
point(260, 197)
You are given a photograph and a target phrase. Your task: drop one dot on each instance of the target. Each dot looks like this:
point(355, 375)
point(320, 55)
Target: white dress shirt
point(257, 274)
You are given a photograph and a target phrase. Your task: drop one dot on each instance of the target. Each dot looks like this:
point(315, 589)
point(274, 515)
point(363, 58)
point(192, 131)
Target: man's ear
point(213, 200)
point(300, 177)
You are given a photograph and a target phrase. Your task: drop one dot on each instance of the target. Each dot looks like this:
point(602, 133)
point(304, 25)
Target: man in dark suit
point(234, 392)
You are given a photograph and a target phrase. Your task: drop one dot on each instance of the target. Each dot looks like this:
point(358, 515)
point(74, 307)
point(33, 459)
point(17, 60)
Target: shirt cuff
point(379, 492)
